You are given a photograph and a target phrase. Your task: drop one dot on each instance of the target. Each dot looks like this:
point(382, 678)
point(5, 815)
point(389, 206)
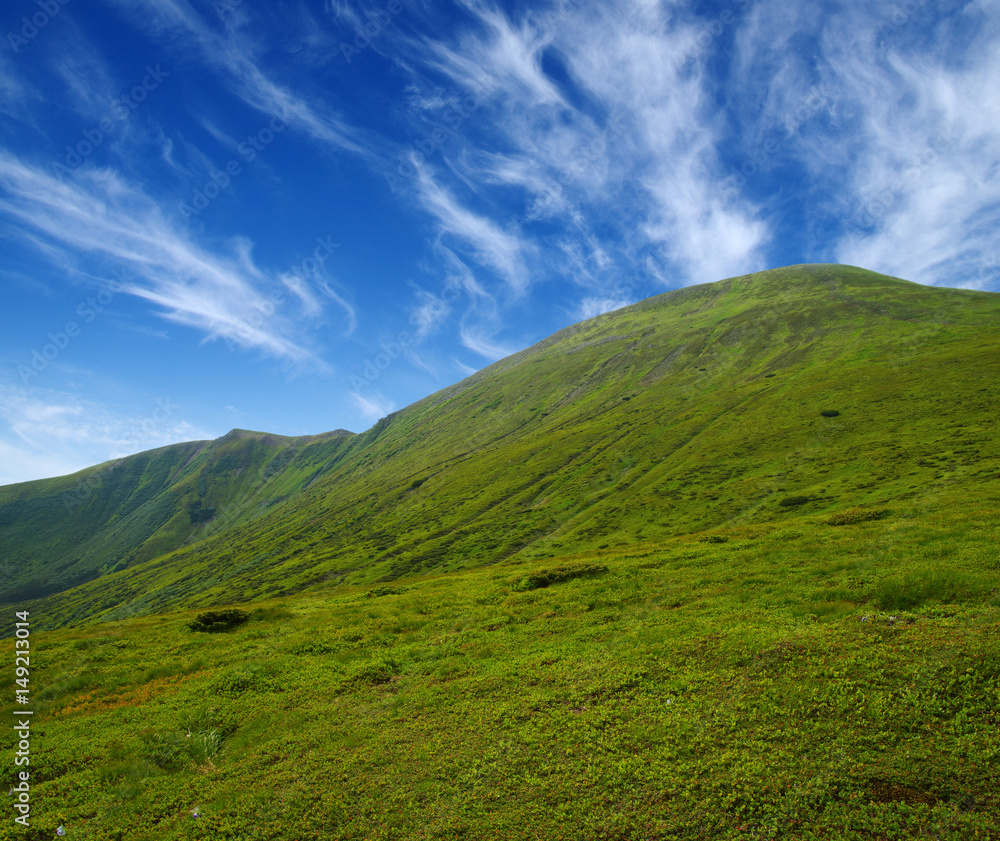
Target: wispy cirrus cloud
point(372, 405)
point(902, 159)
point(503, 60)
point(100, 214)
point(599, 118)
point(235, 53)
point(492, 246)
point(478, 337)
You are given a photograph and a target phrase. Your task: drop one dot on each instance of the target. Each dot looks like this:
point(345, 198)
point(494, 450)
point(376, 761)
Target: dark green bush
point(214, 621)
point(830, 413)
point(385, 591)
point(546, 577)
point(790, 501)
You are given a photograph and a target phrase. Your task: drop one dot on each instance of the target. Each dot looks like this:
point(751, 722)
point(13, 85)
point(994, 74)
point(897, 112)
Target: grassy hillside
point(810, 389)
point(720, 565)
point(60, 532)
point(801, 681)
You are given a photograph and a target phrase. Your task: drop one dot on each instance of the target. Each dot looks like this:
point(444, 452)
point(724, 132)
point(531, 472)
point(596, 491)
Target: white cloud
point(492, 246)
point(372, 406)
point(465, 370)
point(590, 307)
point(100, 214)
point(428, 313)
point(627, 148)
point(896, 127)
point(45, 433)
point(235, 53)
point(504, 61)
point(481, 340)
point(926, 194)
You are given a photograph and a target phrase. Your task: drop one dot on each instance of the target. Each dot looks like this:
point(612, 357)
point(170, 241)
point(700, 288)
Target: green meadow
point(722, 564)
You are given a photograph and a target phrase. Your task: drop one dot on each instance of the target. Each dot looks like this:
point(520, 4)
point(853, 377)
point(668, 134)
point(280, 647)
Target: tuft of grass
point(916, 588)
point(853, 516)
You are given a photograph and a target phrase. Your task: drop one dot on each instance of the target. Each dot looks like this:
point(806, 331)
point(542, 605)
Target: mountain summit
point(807, 391)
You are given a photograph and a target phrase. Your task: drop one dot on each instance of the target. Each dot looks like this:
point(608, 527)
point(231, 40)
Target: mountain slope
point(60, 532)
point(697, 410)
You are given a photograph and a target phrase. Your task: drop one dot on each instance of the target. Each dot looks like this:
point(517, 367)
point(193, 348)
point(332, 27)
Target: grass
point(800, 681)
point(632, 428)
point(636, 582)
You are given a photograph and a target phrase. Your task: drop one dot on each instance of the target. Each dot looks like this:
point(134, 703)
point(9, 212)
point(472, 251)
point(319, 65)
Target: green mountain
point(719, 565)
point(809, 390)
point(58, 533)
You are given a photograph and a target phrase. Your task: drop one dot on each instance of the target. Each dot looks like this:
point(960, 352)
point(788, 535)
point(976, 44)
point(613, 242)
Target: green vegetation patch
point(856, 515)
point(217, 621)
point(556, 575)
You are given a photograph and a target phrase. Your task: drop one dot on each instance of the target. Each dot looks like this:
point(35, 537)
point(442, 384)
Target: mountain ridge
point(627, 408)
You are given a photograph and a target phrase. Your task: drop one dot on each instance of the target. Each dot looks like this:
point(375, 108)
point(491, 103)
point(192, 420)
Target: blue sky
point(301, 216)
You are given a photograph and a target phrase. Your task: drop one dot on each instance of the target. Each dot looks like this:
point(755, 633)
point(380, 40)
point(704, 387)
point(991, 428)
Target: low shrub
point(830, 413)
point(215, 621)
point(791, 501)
point(556, 575)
